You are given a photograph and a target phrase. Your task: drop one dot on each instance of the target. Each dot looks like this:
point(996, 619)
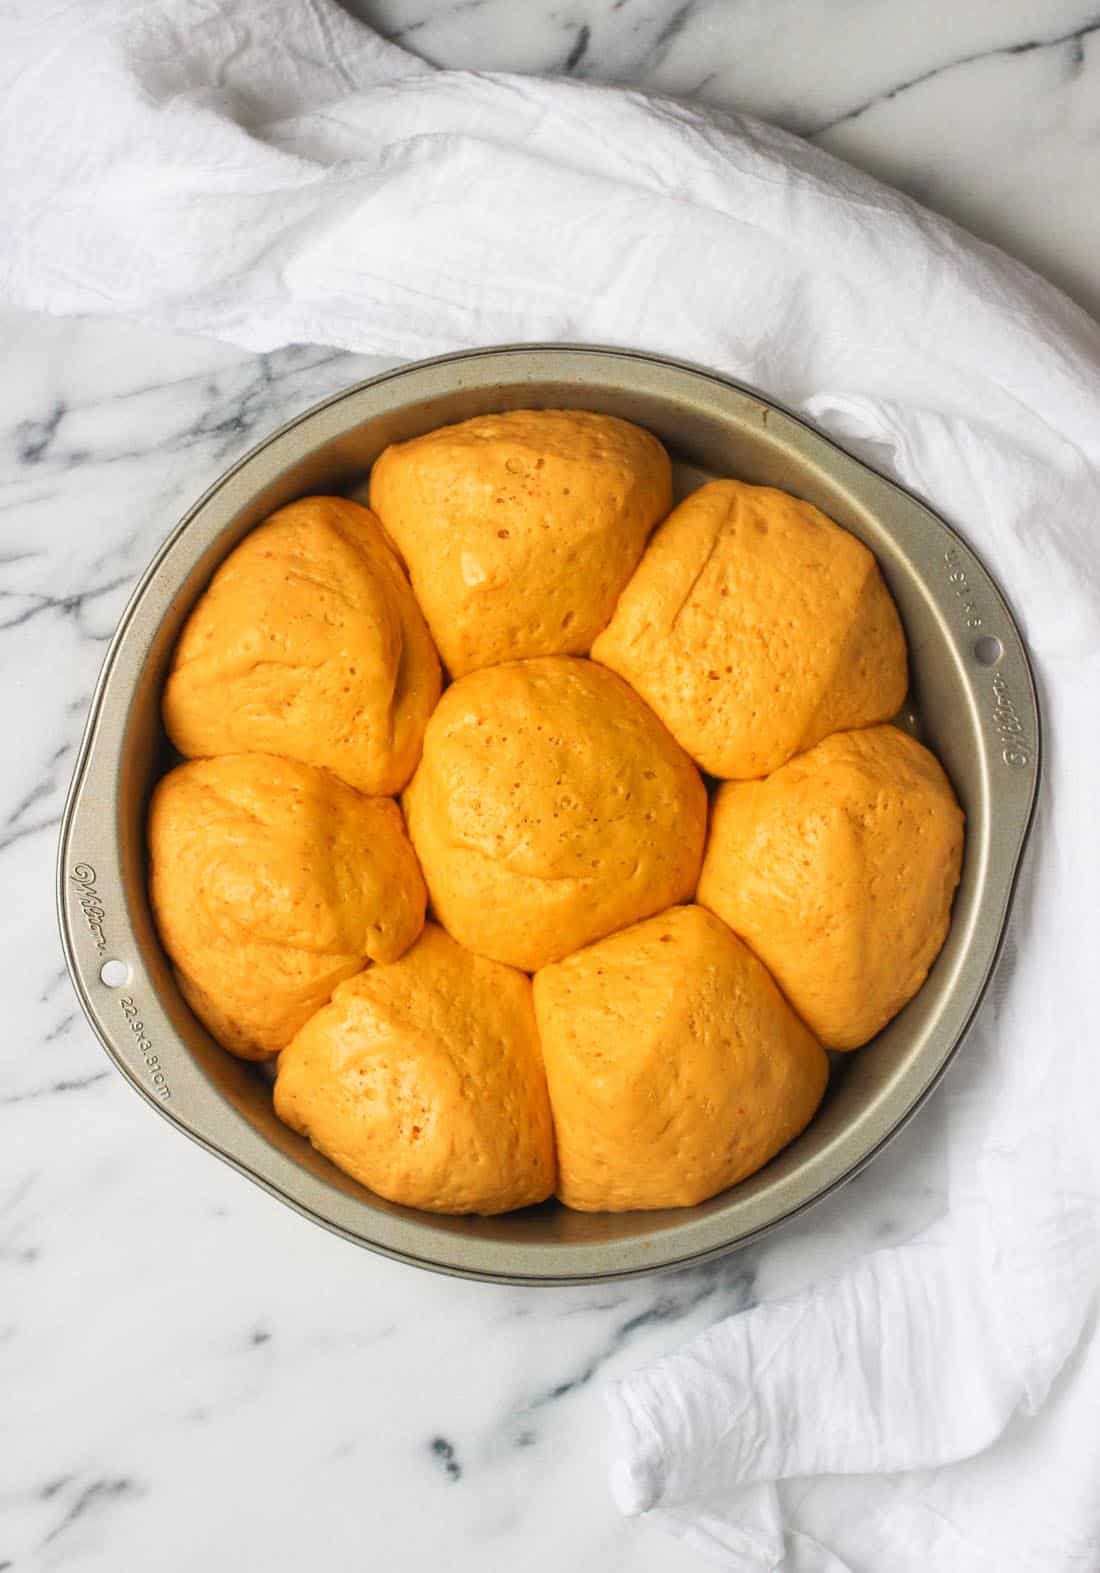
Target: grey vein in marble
point(1073, 41)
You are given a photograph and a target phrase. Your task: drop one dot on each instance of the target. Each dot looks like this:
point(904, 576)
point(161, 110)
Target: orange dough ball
point(423, 1080)
point(270, 882)
point(676, 1067)
point(551, 807)
point(308, 643)
point(839, 870)
point(519, 530)
point(755, 626)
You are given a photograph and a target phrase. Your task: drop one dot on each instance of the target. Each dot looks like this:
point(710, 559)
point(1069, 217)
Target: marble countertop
point(192, 1375)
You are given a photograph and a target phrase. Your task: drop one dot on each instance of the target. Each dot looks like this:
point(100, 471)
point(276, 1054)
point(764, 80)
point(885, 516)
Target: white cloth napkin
point(268, 171)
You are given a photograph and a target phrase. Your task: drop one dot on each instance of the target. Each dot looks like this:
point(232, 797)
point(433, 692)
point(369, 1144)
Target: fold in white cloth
point(269, 171)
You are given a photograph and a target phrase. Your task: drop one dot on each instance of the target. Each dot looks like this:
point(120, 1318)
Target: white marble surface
point(191, 1376)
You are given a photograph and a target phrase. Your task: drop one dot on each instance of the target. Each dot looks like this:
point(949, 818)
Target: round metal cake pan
point(972, 700)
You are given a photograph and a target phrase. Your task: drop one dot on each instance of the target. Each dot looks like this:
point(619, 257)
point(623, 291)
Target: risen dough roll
point(839, 870)
point(270, 882)
point(551, 807)
point(423, 1080)
point(675, 1066)
point(519, 530)
point(308, 643)
point(755, 626)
